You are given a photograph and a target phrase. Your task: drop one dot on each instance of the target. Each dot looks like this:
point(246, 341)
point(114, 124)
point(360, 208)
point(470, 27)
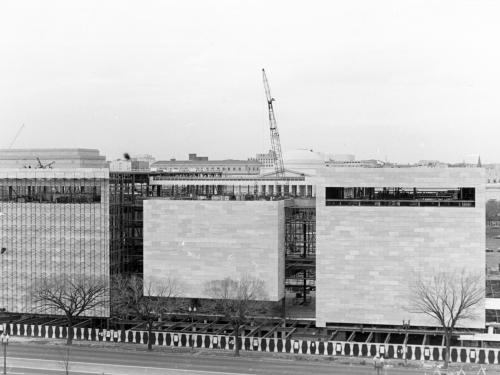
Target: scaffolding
point(128, 190)
point(52, 224)
point(300, 252)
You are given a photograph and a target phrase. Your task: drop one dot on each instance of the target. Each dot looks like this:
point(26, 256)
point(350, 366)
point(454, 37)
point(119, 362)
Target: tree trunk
point(69, 336)
point(150, 333)
point(448, 332)
point(236, 340)
point(67, 362)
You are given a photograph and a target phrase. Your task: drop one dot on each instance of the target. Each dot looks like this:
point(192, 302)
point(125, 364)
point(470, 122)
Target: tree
point(448, 298)
point(237, 300)
point(74, 296)
point(146, 301)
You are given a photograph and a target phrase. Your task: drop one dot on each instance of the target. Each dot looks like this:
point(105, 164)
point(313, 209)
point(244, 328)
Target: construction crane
point(275, 137)
point(17, 135)
point(44, 166)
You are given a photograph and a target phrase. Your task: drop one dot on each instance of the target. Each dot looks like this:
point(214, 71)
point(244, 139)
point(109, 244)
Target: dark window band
point(400, 197)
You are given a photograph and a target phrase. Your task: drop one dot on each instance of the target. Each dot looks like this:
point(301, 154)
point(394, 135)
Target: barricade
point(272, 345)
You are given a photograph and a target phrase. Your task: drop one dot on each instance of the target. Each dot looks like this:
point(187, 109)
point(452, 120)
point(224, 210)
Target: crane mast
point(275, 137)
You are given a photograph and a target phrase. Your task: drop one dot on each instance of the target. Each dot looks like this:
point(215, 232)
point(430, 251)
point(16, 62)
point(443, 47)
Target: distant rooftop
point(202, 160)
point(55, 158)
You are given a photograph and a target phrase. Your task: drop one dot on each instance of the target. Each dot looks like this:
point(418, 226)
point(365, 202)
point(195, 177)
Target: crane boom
point(15, 137)
point(275, 137)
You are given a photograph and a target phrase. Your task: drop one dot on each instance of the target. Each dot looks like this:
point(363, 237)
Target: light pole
point(192, 311)
point(5, 342)
point(406, 325)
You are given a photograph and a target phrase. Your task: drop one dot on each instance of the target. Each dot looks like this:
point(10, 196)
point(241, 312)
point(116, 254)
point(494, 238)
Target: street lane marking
point(52, 361)
point(54, 370)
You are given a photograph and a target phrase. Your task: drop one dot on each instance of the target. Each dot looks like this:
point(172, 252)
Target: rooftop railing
point(227, 178)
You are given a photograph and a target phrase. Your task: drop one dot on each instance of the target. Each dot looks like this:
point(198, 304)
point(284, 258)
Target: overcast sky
point(402, 80)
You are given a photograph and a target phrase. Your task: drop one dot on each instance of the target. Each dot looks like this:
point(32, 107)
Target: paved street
point(49, 359)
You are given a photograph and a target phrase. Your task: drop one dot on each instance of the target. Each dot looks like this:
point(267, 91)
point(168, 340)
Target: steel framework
point(127, 193)
point(300, 250)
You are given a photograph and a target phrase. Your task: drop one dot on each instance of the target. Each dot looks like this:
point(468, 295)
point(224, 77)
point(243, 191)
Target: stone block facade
point(367, 256)
point(195, 242)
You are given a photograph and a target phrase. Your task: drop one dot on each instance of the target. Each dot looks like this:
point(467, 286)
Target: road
point(43, 359)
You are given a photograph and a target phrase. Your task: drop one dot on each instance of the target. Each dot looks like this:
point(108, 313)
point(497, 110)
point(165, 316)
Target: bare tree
point(448, 298)
point(237, 300)
point(74, 296)
point(146, 301)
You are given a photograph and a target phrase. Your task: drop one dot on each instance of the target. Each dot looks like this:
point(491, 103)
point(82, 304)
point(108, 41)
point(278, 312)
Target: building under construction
point(327, 241)
point(130, 190)
point(335, 245)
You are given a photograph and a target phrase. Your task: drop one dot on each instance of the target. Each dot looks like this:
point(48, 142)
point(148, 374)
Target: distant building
point(200, 164)
point(370, 163)
point(432, 164)
point(52, 158)
point(144, 157)
point(120, 165)
point(340, 157)
point(194, 157)
point(142, 162)
point(267, 160)
point(135, 163)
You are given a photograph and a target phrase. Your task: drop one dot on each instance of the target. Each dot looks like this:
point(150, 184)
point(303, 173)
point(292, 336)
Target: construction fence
point(258, 344)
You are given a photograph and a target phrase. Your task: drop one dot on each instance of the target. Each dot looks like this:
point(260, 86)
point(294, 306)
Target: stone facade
point(52, 222)
point(368, 255)
point(195, 242)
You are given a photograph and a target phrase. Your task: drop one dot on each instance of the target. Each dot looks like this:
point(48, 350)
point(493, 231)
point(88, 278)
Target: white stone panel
point(198, 241)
